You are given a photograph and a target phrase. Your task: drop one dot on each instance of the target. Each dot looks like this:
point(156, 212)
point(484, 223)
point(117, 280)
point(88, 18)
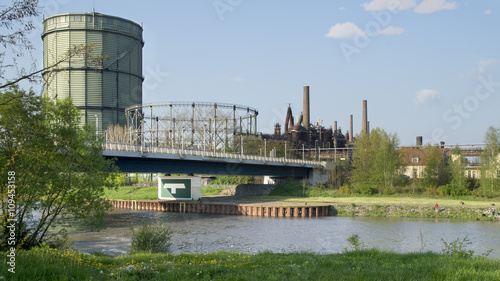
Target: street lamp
point(96, 126)
point(182, 140)
point(204, 133)
point(265, 147)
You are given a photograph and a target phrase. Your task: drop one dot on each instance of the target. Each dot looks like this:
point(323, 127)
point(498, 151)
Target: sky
point(427, 68)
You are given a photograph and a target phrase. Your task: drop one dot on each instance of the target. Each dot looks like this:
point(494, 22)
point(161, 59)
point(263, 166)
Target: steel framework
point(190, 125)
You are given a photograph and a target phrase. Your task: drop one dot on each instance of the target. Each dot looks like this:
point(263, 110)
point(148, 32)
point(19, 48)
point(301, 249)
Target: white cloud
point(487, 12)
point(431, 6)
point(346, 30)
point(341, 8)
point(425, 96)
point(484, 63)
point(378, 5)
point(390, 30)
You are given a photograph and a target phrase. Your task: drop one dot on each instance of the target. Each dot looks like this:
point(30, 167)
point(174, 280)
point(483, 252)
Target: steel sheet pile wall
point(224, 209)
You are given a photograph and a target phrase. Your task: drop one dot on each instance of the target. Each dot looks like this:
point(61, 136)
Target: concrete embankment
point(224, 208)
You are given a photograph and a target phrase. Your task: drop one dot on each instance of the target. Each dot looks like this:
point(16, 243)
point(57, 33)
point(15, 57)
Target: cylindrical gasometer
point(105, 91)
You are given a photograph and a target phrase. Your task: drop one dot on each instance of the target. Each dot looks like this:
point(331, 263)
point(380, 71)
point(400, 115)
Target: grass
point(293, 192)
point(54, 264)
point(401, 200)
point(148, 193)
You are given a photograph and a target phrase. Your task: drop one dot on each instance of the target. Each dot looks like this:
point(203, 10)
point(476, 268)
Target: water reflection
point(209, 233)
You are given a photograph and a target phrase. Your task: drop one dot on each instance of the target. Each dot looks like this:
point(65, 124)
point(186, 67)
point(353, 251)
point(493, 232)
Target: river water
point(203, 233)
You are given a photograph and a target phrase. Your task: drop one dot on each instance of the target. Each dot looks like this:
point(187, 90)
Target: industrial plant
point(111, 94)
point(303, 132)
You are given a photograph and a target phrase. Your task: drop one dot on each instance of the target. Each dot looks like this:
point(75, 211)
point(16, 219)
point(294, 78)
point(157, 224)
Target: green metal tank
point(99, 93)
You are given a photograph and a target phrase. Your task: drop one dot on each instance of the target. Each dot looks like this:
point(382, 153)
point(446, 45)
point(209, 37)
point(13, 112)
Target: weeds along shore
point(364, 264)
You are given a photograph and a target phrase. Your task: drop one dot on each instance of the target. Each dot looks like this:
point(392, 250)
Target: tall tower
point(364, 124)
point(307, 120)
point(98, 93)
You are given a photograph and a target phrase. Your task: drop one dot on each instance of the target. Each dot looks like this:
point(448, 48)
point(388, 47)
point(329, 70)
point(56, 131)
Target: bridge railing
point(202, 153)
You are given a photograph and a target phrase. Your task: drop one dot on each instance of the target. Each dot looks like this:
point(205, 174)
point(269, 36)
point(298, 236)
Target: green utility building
point(99, 92)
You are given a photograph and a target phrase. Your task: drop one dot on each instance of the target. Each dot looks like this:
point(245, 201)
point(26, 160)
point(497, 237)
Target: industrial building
point(303, 132)
point(101, 93)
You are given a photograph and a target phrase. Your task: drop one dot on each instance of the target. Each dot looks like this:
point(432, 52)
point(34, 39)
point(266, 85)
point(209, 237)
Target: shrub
point(458, 248)
point(344, 189)
point(153, 238)
point(353, 240)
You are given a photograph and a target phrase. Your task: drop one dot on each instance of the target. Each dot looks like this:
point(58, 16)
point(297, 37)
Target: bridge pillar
point(317, 177)
point(274, 180)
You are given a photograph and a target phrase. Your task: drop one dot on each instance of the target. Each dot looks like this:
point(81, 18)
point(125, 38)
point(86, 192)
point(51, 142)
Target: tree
point(459, 183)
point(435, 172)
point(56, 166)
point(15, 25)
point(490, 164)
point(117, 134)
point(376, 163)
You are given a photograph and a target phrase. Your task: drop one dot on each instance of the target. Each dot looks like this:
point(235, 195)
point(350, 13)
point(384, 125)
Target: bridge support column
point(317, 177)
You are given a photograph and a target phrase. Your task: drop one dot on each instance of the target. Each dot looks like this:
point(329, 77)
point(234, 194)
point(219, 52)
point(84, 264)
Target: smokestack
point(368, 128)
point(420, 141)
point(351, 132)
point(335, 126)
point(365, 118)
point(307, 119)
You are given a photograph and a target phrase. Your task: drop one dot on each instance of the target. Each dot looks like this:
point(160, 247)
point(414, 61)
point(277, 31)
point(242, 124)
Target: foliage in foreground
point(153, 238)
point(52, 264)
point(55, 168)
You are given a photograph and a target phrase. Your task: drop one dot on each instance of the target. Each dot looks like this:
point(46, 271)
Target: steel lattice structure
point(196, 125)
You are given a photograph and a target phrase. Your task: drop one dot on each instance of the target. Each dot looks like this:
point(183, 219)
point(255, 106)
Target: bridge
point(152, 159)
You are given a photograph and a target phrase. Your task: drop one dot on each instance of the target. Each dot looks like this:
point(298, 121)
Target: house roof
point(419, 152)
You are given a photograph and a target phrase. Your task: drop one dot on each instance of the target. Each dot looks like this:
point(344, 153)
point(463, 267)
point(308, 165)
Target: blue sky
point(428, 68)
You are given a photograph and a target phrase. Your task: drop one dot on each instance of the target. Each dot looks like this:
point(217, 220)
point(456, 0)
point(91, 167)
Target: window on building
point(110, 21)
point(77, 18)
point(51, 21)
point(124, 24)
point(62, 19)
point(415, 159)
point(474, 174)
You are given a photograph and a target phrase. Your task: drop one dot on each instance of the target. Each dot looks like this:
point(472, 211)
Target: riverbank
point(360, 206)
point(52, 264)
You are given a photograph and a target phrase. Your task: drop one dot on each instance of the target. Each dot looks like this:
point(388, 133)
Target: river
point(201, 233)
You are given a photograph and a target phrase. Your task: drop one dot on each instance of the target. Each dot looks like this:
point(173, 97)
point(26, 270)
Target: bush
point(458, 248)
point(355, 243)
point(153, 238)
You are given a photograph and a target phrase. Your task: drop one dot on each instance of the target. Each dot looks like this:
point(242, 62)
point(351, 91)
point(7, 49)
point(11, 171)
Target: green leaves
point(377, 164)
point(59, 166)
point(490, 165)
